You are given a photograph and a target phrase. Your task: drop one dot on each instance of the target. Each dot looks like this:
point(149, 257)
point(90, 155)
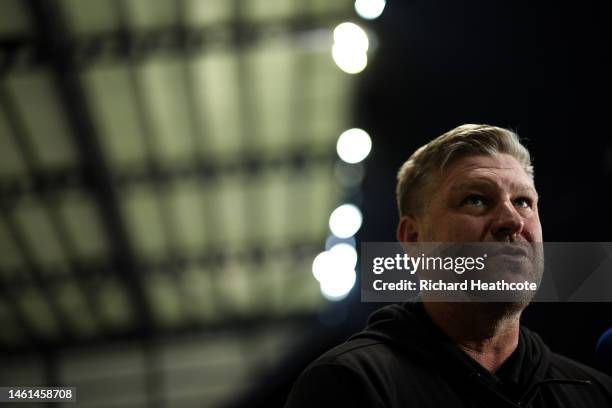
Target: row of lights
point(334, 268)
point(351, 43)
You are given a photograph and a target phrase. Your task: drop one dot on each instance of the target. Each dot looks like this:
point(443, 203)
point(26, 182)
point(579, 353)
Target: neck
point(487, 332)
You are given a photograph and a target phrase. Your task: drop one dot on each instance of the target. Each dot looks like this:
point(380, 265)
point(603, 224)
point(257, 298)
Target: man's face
point(486, 199)
point(482, 199)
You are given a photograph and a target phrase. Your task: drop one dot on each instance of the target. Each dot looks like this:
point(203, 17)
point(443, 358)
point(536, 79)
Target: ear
point(408, 229)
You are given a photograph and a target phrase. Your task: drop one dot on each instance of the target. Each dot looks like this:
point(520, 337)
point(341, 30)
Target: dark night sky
point(542, 69)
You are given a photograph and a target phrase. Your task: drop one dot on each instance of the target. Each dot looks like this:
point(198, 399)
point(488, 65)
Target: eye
point(473, 199)
point(524, 202)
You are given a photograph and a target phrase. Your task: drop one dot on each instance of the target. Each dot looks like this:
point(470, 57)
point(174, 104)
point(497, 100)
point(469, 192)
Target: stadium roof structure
point(165, 166)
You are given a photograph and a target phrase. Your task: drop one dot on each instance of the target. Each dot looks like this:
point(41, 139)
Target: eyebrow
point(484, 183)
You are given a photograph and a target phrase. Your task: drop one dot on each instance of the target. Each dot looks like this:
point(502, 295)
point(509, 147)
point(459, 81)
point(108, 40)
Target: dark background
point(539, 68)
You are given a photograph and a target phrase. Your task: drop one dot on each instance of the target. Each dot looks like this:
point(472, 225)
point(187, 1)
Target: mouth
point(512, 250)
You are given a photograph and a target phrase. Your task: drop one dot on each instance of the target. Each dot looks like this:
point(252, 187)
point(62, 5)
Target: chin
point(506, 309)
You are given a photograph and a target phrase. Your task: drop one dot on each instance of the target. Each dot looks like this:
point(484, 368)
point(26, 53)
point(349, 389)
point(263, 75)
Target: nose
point(508, 223)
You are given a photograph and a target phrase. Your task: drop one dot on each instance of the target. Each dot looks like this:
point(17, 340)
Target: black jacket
point(404, 360)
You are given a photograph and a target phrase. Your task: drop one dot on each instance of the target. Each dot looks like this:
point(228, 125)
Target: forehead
point(500, 169)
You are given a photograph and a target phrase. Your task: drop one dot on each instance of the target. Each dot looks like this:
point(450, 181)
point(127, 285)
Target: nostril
point(509, 233)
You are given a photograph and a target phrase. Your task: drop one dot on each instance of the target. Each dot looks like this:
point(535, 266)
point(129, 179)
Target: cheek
point(534, 230)
point(469, 230)
point(460, 228)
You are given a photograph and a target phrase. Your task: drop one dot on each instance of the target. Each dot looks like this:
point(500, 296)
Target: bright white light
point(344, 256)
point(338, 284)
point(350, 35)
point(350, 48)
point(354, 145)
point(321, 265)
point(335, 271)
point(369, 9)
point(348, 59)
point(340, 256)
point(345, 221)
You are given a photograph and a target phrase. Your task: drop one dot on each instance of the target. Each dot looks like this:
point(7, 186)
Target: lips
point(514, 250)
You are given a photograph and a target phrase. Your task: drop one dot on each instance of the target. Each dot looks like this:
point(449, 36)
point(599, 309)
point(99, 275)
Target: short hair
point(415, 175)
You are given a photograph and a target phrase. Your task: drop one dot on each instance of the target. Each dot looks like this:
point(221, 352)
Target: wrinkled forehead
point(500, 169)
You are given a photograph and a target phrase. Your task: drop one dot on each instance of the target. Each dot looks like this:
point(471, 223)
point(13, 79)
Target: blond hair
point(430, 160)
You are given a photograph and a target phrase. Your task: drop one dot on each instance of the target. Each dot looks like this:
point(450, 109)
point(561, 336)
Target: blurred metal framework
point(166, 173)
point(80, 259)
